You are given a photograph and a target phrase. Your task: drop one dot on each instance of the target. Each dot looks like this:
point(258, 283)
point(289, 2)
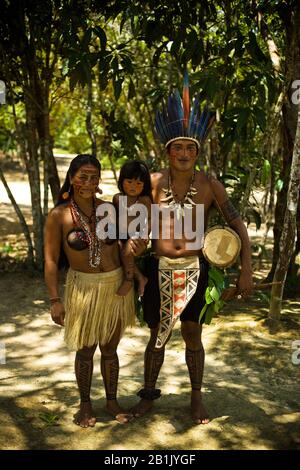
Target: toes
point(92, 422)
point(84, 422)
point(123, 418)
point(201, 420)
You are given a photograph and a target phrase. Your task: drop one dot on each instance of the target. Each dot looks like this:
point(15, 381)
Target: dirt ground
point(251, 386)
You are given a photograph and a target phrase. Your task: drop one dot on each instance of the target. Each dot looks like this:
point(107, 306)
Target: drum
point(221, 246)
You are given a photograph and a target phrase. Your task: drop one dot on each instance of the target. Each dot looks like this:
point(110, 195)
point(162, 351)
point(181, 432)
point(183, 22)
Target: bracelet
point(54, 300)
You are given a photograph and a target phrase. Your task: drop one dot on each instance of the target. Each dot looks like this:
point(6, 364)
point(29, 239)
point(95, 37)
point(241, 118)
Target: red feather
point(186, 100)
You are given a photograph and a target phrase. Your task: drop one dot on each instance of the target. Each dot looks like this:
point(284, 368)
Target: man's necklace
point(174, 203)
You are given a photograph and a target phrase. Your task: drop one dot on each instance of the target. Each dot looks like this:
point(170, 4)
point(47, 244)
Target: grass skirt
point(93, 309)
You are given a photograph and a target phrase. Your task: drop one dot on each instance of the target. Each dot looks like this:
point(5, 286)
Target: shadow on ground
point(250, 384)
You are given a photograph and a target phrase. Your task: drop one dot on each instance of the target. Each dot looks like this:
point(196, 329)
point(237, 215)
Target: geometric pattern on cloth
point(178, 279)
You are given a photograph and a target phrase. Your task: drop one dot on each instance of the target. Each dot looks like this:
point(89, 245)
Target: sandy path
point(250, 385)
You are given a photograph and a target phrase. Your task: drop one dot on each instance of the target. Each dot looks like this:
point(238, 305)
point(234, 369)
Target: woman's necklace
point(89, 232)
point(178, 205)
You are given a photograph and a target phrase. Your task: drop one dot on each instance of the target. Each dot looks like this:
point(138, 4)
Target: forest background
point(81, 76)
point(87, 76)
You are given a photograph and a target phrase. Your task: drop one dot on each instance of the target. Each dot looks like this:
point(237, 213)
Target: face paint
point(133, 186)
point(85, 181)
point(182, 154)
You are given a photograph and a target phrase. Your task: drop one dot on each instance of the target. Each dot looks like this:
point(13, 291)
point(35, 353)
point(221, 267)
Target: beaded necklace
point(88, 232)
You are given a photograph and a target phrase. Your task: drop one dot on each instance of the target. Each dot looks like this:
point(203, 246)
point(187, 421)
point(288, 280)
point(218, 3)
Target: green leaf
point(254, 49)
point(209, 314)
point(118, 88)
point(49, 418)
point(266, 172)
point(203, 312)
point(214, 294)
point(217, 276)
point(279, 185)
point(208, 298)
point(102, 36)
point(115, 64)
point(127, 63)
point(218, 305)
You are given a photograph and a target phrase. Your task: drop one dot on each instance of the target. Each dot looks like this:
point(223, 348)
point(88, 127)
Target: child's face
point(133, 186)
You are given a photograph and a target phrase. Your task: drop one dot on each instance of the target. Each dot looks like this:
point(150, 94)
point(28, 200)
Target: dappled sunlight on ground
point(250, 384)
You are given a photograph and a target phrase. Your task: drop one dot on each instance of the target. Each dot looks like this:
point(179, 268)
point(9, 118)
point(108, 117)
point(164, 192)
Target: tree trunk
point(291, 19)
point(287, 239)
point(32, 166)
point(30, 256)
point(88, 120)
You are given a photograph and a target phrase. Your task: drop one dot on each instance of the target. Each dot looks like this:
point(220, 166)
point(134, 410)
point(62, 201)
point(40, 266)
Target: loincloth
point(178, 280)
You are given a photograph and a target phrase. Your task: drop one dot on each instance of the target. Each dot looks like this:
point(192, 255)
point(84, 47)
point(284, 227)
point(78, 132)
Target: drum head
point(221, 246)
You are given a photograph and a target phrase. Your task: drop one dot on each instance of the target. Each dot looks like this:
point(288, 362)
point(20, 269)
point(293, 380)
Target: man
point(175, 261)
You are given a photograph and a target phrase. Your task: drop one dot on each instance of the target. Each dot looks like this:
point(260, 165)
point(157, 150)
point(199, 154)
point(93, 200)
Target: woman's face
point(85, 181)
point(133, 186)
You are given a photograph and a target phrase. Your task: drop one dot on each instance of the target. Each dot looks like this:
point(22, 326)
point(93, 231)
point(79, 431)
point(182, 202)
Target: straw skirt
point(93, 309)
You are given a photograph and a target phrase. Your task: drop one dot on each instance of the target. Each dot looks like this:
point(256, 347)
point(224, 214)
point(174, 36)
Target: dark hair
point(133, 170)
point(75, 165)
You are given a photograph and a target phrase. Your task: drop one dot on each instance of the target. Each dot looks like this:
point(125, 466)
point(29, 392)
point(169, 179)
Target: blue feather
point(160, 126)
point(193, 117)
point(202, 123)
point(171, 123)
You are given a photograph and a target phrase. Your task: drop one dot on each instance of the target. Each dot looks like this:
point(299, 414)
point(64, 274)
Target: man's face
point(85, 181)
point(183, 154)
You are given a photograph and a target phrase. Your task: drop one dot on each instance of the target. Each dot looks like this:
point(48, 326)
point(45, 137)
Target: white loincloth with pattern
point(178, 279)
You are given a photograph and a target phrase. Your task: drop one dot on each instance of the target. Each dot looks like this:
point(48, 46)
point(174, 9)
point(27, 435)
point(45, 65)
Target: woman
point(92, 312)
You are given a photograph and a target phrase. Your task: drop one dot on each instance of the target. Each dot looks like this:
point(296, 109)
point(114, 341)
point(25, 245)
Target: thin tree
point(288, 236)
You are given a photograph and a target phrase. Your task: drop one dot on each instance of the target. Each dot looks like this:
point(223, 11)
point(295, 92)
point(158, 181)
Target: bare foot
point(199, 413)
point(142, 281)
point(125, 288)
point(84, 417)
point(142, 408)
point(114, 409)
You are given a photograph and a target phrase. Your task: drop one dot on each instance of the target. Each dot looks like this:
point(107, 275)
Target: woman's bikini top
point(75, 239)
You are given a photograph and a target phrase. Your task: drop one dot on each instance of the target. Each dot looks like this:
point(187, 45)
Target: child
point(134, 183)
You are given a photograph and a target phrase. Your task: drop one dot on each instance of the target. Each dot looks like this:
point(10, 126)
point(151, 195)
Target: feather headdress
point(178, 121)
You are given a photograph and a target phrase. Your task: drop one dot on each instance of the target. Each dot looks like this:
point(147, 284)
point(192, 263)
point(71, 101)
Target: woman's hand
point(57, 311)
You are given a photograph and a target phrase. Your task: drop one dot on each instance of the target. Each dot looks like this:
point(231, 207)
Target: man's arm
point(233, 218)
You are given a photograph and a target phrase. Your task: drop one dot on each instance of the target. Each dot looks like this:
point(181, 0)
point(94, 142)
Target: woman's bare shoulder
point(58, 211)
